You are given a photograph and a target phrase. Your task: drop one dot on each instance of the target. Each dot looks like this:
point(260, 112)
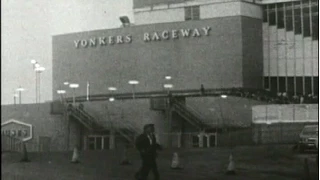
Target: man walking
point(147, 146)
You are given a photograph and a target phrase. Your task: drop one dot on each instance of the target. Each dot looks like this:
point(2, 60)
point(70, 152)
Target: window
point(316, 85)
point(297, 17)
point(290, 85)
point(308, 85)
point(274, 84)
point(192, 13)
point(306, 19)
point(282, 84)
point(289, 19)
point(272, 14)
point(266, 83)
point(280, 16)
point(299, 85)
point(315, 19)
point(265, 13)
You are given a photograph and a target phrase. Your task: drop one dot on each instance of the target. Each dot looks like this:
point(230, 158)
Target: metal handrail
point(191, 109)
point(176, 93)
point(192, 116)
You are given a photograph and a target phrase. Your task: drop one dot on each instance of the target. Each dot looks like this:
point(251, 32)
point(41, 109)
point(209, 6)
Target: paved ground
point(252, 163)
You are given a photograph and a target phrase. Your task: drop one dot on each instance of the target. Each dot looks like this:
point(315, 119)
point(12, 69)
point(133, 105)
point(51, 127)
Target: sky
point(26, 33)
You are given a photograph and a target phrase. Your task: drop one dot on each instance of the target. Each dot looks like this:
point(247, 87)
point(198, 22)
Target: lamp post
point(61, 92)
point(14, 98)
point(74, 87)
point(112, 89)
point(133, 83)
point(38, 71)
point(20, 89)
point(168, 87)
point(35, 65)
point(168, 77)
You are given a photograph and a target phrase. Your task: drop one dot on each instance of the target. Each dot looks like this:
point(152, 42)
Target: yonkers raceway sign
point(17, 129)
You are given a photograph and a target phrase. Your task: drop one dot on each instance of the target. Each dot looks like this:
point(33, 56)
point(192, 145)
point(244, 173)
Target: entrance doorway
point(97, 142)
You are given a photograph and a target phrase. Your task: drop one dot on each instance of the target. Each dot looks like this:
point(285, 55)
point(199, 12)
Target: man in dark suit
point(147, 146)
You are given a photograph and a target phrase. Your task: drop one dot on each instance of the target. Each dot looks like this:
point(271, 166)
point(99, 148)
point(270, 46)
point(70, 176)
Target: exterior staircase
point(189, 114)
point(125, 129)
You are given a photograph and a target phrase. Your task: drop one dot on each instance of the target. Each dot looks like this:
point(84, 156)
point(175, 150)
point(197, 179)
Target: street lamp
point(14, 98)
point(111, 99)
point(38, 71)
point(61, 92)
point(168, 87)
point(20, 89)
point(133, 83)
point(223, 96)
point(168, 77)
point(35, 65)
point(74, 87)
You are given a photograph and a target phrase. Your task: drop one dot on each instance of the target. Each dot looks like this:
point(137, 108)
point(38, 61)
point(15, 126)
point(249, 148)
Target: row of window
point(192, 13)
point(302, 17)
point(293, 85)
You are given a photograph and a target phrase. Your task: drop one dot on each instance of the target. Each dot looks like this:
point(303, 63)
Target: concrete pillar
point(208, 140)
point(307, 113)
point(169, 121)
point(68, 130)
point(85, 142)
point(179, 139)
point(200, 136)
point(112, 139)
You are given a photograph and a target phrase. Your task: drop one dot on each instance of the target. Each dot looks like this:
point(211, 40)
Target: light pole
point(35, 65)
point(74, 87)
point(168, 87)
point(168, 77)
point(112, 89)
point(61, 93)
point(133, 83)
point(38, 71)
point(20, 89)
point(14, 98)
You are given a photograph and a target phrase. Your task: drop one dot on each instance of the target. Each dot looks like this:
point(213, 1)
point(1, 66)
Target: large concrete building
point(212, 43)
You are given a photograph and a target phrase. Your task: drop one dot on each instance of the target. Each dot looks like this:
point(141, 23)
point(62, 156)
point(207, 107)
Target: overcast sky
point(27, 27)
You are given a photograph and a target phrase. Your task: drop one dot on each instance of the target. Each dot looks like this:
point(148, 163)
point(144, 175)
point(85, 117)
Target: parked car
point(309, 138)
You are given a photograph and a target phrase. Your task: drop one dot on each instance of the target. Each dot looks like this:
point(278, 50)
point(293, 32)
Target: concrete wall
point(293, 113)
point(44, 124)
point(280, 133)
point(135, 113)
point(157, 12)
point(282, 123)
point(232, 111)
point(215, 60)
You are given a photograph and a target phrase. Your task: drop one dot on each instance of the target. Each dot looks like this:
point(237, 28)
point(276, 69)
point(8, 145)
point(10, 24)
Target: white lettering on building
point(147, 37)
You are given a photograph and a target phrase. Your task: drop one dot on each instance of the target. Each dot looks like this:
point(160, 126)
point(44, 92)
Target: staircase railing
point(82, 116)
point(189, 114)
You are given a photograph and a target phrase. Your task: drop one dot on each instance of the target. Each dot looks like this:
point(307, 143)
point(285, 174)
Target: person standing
point(147, 145)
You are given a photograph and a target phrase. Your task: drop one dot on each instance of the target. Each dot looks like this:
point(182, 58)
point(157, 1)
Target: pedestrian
point(147, 145)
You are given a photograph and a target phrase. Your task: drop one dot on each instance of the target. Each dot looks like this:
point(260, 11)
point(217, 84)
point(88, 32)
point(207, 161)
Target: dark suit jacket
point(145, 148)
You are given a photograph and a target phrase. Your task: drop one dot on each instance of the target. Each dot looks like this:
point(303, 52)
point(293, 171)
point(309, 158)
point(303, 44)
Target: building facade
point(264, 44)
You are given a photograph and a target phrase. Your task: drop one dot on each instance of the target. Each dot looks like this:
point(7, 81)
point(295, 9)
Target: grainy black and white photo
point(160, 89)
